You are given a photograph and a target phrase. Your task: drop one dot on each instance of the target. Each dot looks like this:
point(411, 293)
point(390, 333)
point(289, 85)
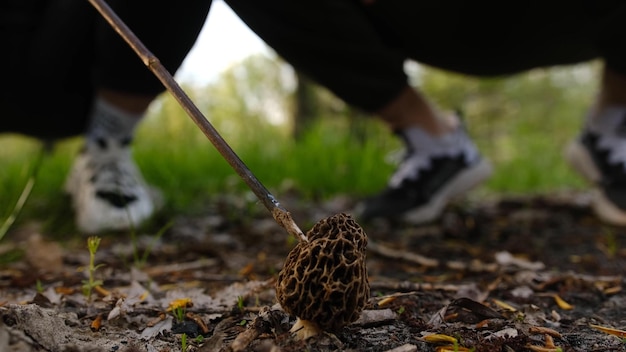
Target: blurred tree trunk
point(306, 105)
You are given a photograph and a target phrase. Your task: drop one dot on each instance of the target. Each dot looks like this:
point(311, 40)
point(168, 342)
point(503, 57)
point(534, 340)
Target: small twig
point(401, 255)
point(264, 322)
point(408, 288)
point(244, 339)
point(280, 214)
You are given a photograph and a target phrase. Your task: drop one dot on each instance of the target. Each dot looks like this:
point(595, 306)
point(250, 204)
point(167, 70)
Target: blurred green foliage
point(521, 123)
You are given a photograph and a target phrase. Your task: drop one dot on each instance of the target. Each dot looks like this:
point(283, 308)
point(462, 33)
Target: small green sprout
point(457, 347)
point(88, 285)
point(179, 313)
point(612, 245)
point(178, 307)
point(240, 303)
point(140, 261)
point(183, 342)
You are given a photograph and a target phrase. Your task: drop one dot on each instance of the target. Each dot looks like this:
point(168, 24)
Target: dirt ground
point(514, 274)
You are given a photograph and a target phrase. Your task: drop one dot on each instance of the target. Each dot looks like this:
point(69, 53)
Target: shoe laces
point(611, 131)
point(616, 147)
point(112, 168)
point(423, 148)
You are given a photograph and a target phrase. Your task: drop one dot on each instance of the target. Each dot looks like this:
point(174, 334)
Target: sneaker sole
point(458, 186)
point(582, 162)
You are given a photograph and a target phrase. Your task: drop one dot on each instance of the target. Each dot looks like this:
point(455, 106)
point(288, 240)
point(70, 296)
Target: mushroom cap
point(324, 280)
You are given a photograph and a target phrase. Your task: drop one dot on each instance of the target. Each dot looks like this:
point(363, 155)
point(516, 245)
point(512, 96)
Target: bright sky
point(224, 40)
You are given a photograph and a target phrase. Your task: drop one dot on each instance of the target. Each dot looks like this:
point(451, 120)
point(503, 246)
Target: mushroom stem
point(305, 329)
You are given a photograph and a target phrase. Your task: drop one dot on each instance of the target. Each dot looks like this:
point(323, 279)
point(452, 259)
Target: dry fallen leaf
point(505, 258)
point(96, 323)
point(549, 341)
point(247, 270)
point(561, 303)
point(504, 305)
point(610, 331)
point(544, 330)
point(386, 300)
point(198, 320)
point(102, 291)
point(152, 322)
point(612, 290)
point(482, 324)
point(558, 300)
point(117, 310)
point(549, 345)
point(67, 291)
point(152, 331)
point(439, 338)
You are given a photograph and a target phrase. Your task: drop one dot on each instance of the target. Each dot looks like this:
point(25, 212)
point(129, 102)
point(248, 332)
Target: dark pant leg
point(611, 36)
point(57, 52)
point(333, 42)
point(46, 54)
point(167, 28)
point(357, 50)
point(485, 38)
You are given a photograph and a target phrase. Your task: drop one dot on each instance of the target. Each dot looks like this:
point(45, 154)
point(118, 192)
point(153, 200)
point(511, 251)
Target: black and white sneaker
point(107, 189)
point(599, 155)
point(434, 171)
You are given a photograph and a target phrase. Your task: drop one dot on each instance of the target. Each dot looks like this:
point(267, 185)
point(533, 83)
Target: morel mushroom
point(324, 280)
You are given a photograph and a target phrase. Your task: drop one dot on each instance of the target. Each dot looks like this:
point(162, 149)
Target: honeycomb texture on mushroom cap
point(325, 280)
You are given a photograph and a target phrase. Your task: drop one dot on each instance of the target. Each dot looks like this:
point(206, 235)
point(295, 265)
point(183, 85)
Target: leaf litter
point(516, 274)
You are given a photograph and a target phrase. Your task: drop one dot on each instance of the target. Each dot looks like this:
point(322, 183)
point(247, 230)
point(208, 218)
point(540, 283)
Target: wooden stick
point(280, 214)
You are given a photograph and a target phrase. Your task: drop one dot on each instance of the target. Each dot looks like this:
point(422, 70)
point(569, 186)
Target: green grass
point(47, 203)
point(176, 157)
point(327, 161)
point(520, 123)
point(179, 159)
